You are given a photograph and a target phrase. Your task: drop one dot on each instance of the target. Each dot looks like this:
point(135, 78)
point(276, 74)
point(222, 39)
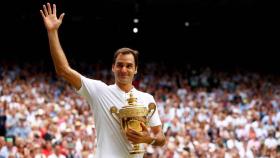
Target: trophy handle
point(152, 106)
point(113, 111)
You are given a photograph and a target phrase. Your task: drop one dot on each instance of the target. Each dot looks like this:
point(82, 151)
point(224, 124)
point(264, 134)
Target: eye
point(129, 66)
point(119, 65)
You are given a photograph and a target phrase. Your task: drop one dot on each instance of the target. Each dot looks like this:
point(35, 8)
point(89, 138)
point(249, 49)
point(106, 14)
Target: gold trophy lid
point(132, 109)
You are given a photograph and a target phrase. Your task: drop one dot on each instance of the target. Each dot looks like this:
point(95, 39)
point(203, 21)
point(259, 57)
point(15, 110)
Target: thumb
point(61, 16)
point(144, 127)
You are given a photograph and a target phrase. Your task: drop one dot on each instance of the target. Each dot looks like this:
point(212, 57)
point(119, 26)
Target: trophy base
point(136, 149)
point(136, 152)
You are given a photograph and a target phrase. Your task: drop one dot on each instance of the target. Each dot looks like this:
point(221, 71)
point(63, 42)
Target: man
point(111, 142)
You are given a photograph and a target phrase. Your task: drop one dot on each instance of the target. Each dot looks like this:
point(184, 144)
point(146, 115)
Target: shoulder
point(145, 95)
point(92, 82)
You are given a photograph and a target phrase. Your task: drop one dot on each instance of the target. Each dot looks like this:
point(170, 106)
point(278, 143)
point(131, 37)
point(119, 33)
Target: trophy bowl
point(131, 116)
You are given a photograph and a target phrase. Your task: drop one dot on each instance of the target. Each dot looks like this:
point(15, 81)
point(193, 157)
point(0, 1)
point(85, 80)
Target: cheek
point(131, 73)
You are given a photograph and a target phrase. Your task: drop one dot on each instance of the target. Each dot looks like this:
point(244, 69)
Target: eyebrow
point(119, 62)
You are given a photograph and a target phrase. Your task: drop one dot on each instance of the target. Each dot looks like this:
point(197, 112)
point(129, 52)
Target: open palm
point(49, 16)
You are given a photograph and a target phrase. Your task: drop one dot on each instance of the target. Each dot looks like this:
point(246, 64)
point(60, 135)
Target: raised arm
point(61, 64)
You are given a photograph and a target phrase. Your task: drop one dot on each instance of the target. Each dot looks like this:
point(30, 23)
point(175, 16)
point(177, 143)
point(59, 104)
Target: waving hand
point(49, 16)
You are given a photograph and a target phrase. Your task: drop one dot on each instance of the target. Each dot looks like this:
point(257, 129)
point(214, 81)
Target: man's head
point(127, 51)
point(125, 64)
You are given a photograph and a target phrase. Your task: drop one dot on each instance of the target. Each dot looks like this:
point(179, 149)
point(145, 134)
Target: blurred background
point(212, 67)
point(214, 32)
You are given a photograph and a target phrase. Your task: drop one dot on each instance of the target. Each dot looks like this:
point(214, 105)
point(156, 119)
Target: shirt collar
point(120, 90)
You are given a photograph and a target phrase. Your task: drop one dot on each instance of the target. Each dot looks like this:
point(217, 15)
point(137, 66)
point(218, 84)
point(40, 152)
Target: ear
point(135, 72)
point(113, 70)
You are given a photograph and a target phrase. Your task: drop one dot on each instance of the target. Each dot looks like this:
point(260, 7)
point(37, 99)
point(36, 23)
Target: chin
point(124, 81)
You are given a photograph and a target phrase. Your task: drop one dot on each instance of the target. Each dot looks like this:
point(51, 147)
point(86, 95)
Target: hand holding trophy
point(133, 116)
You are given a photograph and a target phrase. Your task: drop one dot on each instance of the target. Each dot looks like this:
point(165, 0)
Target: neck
point(125, 87)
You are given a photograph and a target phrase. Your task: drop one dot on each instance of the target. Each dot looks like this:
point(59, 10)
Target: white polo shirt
point(111, 143)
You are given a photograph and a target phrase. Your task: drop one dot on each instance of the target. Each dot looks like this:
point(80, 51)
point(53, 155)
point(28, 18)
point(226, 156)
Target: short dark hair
point(126, 50)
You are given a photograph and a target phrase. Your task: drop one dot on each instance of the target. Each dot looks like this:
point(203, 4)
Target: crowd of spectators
point(205, 113)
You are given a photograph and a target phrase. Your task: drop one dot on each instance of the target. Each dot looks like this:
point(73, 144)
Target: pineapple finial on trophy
point(132, 101)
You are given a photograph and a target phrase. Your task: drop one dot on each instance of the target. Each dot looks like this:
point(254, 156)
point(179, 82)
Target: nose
point(123, 69)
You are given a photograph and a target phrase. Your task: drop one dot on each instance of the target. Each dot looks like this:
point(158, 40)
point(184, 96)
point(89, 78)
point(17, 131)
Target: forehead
point(125, 58)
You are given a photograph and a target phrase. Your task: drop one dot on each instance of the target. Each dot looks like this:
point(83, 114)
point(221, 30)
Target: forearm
point(59, 59)
point(61, 64)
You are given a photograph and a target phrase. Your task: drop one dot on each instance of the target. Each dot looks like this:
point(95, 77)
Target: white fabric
point(111, 143)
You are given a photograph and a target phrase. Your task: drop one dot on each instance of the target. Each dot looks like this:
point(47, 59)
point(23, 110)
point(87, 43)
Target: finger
point(45, 10)
point(132, 137)
point(135, 132)
point(61, 16)
point(49, 8)
point(54, 9)
point(144, 127)
point(42, 13)
point(132, 131)
point(133, 140)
